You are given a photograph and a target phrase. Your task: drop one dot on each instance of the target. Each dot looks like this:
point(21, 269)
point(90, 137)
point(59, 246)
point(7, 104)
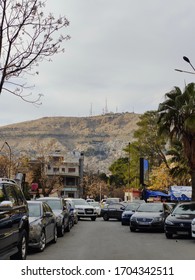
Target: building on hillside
point(69, 167)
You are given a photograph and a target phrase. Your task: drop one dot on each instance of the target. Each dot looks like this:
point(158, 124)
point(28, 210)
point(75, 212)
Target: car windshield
point(80, 202)
point(132, 206)
point(184, 209)
point(94, 203)
point(150, 207)
point(54, 204)
point(34, 209)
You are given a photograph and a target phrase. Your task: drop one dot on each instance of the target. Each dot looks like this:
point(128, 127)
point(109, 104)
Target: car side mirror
point(48, 214)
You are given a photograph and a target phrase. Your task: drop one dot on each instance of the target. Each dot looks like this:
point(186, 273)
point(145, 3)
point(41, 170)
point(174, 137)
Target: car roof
point(34, 201)
point(49, 198)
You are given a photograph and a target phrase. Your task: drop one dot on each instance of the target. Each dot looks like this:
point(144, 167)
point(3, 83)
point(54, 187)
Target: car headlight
point(133, 218)
point(35, 229)
point(80, 209)
point(59, 219)
point(168, 222)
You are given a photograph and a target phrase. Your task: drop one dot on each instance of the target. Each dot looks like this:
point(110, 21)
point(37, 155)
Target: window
point(63, 169)
point(71, 169)
point(56, 169)
point(11, 194)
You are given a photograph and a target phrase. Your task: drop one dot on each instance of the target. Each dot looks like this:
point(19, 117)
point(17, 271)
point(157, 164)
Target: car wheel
point(132, 229)
point(93, 218)
point(22, 247)
point(55, 237)
point(42, 242)
point(105, 217)
point(168, 235)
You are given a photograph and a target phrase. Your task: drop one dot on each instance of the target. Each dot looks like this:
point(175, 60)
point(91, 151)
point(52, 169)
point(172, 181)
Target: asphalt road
point(110, 240)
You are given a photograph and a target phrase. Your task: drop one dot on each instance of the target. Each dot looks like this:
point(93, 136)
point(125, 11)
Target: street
point(110, 240)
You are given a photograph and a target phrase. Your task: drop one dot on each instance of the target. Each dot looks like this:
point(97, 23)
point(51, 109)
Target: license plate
point(88, 211)
point(182, 232)
point(144, 223)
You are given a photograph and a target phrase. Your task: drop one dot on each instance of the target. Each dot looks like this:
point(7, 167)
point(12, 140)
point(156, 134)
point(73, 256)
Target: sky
point(120, 58)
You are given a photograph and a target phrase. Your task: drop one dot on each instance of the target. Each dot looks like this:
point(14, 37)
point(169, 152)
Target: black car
point(59, 207)
point(130, 209)
point(150, 216)
point(43, 227)
point(14, 221)
point(113, 211)
point(179, 221)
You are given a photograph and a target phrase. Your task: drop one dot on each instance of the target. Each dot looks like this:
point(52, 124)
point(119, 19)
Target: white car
point(193, 228)
point(97, 206)
point(84, 210)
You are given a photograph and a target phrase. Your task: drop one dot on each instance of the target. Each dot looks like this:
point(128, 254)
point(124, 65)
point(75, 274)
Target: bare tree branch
point(27, 37)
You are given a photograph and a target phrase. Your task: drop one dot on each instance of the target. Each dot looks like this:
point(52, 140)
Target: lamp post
point(129, 166)
point(188, 61)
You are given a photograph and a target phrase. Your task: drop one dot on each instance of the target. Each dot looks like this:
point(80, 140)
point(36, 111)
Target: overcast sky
point(121, 57)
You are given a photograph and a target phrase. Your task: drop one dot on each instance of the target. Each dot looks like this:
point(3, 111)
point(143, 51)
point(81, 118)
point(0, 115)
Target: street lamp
point(188, 61)
point(129, 166)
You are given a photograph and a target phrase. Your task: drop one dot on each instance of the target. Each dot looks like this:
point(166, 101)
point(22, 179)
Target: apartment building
point(69, 167)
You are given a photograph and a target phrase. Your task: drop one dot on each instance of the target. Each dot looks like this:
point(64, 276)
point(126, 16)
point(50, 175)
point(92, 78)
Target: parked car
point(43, 226)
point(179, 221)
point(90, 200)
point(111, 200)
point(130, 209)
point(72, 211)
point(84, 210)
point(61, 212)
point(97, 207)
point(150, 216)
point(14, 221)
point(113, 210)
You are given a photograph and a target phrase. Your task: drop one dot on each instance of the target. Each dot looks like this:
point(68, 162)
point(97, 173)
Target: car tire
point(55, 236)
point(132, 229)
point(22, 247)
point(168, 235)
point(93, 218)
point(42, 242)
point(105, 217)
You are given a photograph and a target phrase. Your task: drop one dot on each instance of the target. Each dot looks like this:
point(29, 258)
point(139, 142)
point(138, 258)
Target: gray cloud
point(121, 51)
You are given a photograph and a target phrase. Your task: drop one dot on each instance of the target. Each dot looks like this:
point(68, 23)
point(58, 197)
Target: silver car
point(43, 227)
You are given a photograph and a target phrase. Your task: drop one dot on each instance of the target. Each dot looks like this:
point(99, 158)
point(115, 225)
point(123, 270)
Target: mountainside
point(101, 138)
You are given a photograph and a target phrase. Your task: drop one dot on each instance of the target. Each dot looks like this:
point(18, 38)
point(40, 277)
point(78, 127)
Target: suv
point(14, 221)
point(84, 210)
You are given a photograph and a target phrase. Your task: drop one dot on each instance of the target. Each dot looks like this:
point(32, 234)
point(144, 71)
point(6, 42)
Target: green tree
point(148, 141)
point(177, 119)
point(27, 37)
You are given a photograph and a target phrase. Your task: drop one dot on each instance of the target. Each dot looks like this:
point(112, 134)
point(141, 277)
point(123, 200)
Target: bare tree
point(27, 37)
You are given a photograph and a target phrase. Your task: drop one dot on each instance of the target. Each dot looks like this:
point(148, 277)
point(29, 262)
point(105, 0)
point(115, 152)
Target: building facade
point(69, 167)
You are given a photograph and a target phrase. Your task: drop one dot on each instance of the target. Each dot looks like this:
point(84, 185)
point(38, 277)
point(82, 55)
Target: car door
point(65, 212)
point(49, 221)
point(5, 222)
point(15, 213)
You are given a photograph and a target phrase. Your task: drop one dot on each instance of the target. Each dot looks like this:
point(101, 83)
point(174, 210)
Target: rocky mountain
point(101, 138)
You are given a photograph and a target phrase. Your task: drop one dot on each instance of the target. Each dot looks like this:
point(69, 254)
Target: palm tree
point(177, 119)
